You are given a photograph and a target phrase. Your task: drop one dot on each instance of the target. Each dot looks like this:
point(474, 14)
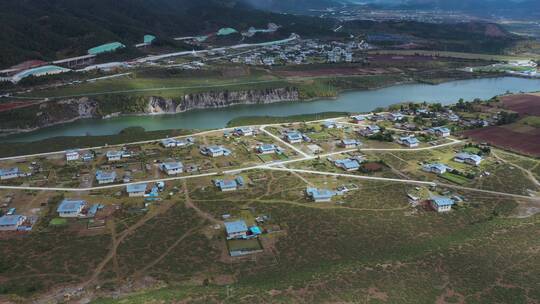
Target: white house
point(71, 208)
point(9, 173)
point(349, 143)
point(396, 116)
point(409, 141)
point(370, 130)
point(358, 118)
point(467, 158)
point(103, 177)
point(215, 151)
point(244, 131)
point(436, 168)
point(236, 230)
point(293, 137)
point(114, 155)
point(267, 149)
point(11, 222)
point(72, 155)
point(172, 168)
point(441, 203)
point(440, 131)
point(136, 190)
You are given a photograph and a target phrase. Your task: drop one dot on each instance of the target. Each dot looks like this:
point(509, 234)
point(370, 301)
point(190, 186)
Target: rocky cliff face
point(57, 112)
point(221, 99)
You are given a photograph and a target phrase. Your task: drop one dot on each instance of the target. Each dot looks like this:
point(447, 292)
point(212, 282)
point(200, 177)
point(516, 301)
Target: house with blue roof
point(440, 131)
point(244, 131)
point(409, 141)
point(358, 118)
point(330, 124)
point(136, 190)
point(267, 148)
point(436, 168)
point(105, 177)
point(9, 173)
point(226, 184)
point(172, 142)
point(11, 222)
point(169, 142)
point(72, 155)
point(114, 155)
point(215, 151)
point(370, 130)
point(320, 195)
point(236, 230)
point(396, 116)
point(468, 158)
point(349, 143)
point(441, 203)
point(293, 137)
point(347, 164)
point(172, 168)
point(87, 157)
point(71, 208)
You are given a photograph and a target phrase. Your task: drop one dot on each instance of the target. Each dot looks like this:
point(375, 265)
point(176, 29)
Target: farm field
point(524, 104)
point(515, 137)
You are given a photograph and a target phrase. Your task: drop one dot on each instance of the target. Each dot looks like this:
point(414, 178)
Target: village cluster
point(305, 51)
point(146, 170)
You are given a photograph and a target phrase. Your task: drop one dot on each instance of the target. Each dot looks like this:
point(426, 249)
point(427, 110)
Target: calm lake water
point(357, 101)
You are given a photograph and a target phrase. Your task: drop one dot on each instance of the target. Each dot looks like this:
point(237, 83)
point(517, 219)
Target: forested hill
point(50, 29)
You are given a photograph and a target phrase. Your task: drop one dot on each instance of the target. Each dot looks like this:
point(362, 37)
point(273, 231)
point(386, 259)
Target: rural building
point(171, 142)
point(87, 157)
point(370, 130)
point(331, 125)
point(440, 131)
point(236, 230)
point(267, 149)
point(244, 131)
point(172, 168)
point(136, 190)
point(453, 117)
point(9, 173)
point(71, 208)
point(436, 168)
point(349, 143)
point(348, 164)
point(358, 118)
point(11, 222)
point(72, 155)
point(293, 137)
point(114, 155)
point(320, 195)
point(467, 158)
point(396, 116)
point(229, 184)
point(409, 141)
point(315, 149)
point(441, 203)
point(104, 177)
point(215, 151)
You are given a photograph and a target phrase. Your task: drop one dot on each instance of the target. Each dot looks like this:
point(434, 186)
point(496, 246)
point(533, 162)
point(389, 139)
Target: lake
point(356, 101)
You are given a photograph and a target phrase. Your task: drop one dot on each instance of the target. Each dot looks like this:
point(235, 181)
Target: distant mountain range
point(521, 8)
